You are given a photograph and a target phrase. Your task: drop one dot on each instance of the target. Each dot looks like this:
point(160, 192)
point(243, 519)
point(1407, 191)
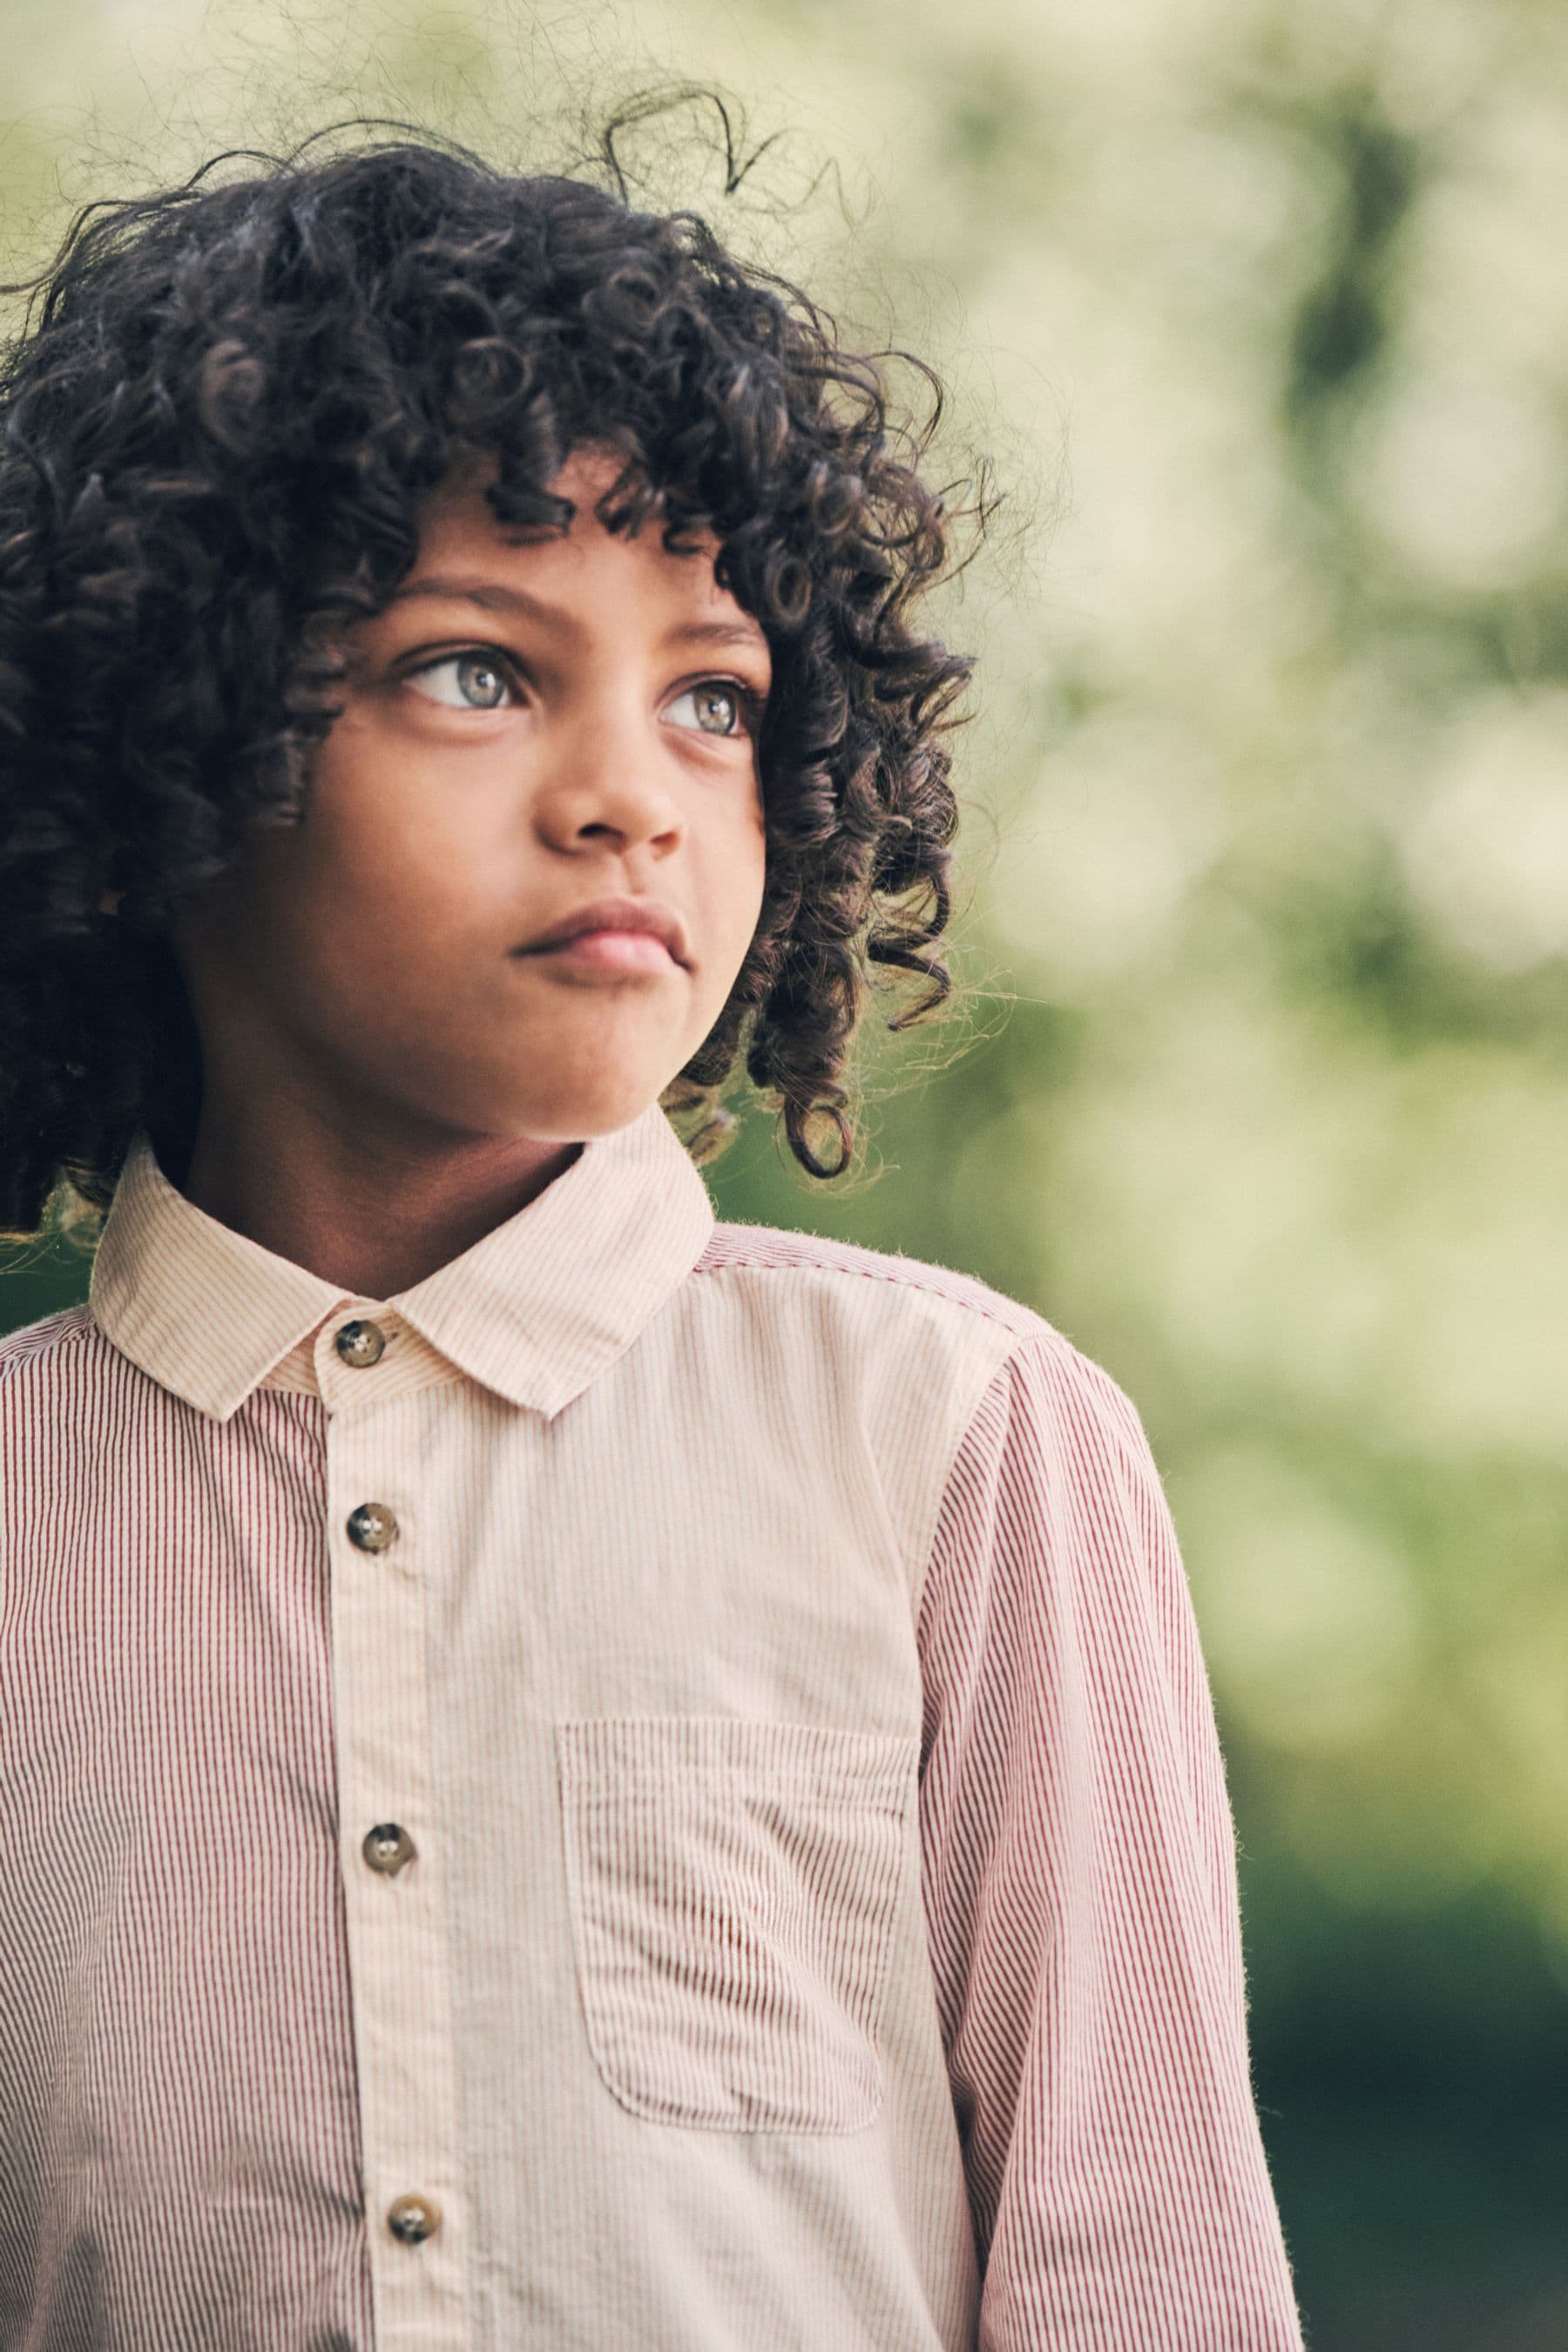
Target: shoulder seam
point(903, 1281)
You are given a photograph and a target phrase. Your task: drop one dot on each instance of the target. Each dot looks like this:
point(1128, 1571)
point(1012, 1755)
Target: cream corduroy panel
point(728, 1854)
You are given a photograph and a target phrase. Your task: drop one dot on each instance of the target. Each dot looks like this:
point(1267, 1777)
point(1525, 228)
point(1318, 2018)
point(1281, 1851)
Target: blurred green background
point(1257, 312)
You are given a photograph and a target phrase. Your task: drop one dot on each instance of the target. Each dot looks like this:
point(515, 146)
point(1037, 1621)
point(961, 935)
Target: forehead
point(460, 537)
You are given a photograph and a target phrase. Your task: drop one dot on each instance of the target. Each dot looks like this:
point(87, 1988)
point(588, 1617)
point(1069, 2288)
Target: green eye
point(479, 683)
point(462, 682)
point(716, 709)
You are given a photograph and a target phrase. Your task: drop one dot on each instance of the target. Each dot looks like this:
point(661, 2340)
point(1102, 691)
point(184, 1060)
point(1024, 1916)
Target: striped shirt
point(656, 1789)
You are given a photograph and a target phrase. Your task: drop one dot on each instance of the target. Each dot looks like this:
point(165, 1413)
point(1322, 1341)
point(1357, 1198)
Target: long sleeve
point(1079, 1881)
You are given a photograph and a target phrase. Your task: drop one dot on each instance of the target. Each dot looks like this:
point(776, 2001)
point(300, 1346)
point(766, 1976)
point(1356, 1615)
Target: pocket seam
point(607, 1763)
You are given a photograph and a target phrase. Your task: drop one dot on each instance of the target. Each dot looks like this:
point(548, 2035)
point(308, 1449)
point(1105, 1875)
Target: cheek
point(730, 903)
point(739, 873)
point(386, 859)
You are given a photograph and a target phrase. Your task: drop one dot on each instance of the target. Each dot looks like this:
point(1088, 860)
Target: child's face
point(535, 727)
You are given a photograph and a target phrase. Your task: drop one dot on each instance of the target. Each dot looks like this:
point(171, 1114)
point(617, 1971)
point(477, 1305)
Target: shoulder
point(50, 1346)
point(42, 1367)
point(988, 1410)
point(1018, 1359)
point(808, 1263)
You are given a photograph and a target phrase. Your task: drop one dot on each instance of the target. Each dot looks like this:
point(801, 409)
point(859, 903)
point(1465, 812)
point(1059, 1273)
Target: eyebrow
point(491, 597)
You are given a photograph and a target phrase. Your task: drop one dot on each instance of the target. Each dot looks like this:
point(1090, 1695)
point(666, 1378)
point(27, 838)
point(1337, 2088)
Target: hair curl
point(218, 427)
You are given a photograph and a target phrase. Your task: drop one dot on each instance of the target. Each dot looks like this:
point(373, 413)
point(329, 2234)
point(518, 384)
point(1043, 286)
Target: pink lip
point(611, 951)
point(616, 934)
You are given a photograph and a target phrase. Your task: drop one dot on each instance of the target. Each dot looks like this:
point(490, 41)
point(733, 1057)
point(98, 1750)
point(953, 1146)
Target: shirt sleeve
point(1078, 1870)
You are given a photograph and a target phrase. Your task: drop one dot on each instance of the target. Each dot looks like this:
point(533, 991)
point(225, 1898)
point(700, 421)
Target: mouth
point(616, 936)
point(617, 952)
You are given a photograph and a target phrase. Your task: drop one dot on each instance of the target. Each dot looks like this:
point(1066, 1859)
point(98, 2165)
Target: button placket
point(394, 1880)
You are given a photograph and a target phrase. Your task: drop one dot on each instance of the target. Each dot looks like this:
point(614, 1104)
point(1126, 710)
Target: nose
point(608, 788)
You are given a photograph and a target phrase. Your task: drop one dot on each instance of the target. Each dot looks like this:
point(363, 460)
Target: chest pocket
point(732, 1889)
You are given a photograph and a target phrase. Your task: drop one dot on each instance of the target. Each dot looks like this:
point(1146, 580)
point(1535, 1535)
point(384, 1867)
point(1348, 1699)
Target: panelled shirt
point(656, 1789)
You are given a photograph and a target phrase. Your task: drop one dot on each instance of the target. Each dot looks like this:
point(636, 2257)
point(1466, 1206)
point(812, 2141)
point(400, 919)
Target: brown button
point(387, 1847)
point(373, 1526)
point(361, 1345)
point(412, 2218)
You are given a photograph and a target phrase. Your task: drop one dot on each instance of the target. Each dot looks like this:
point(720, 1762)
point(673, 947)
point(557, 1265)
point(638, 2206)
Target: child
point(570, 1777)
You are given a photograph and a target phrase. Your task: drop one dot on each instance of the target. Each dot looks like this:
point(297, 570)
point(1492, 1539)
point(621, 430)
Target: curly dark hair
point(225, 406)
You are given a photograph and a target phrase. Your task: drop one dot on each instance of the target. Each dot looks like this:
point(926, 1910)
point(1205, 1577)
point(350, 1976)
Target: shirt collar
point(536, 1310)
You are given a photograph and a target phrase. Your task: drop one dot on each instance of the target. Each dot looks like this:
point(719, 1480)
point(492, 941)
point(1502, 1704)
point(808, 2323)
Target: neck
point(371, 1205)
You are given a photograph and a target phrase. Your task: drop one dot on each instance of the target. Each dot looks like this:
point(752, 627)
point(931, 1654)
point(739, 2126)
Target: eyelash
point(751, 704)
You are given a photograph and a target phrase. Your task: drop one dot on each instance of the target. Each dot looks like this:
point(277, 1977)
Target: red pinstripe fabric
point(178, 2118)
point(1080, 1892)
